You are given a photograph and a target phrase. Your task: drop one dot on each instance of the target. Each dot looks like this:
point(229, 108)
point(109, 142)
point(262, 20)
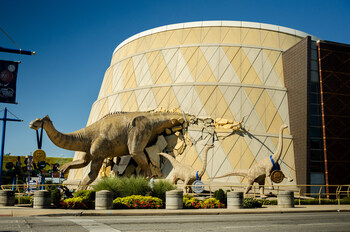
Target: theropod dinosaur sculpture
point(114, 135)
point(262, 170)
point(185, 172)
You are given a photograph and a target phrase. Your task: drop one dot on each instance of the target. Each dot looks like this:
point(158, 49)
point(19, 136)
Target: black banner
point(8, 80)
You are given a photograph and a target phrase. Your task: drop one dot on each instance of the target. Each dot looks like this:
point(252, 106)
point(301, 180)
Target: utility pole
point(4, 119)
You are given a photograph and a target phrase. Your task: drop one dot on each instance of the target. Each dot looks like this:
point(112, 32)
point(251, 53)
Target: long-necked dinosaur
point(114, 135)
point(262, 170)
point(185, 172)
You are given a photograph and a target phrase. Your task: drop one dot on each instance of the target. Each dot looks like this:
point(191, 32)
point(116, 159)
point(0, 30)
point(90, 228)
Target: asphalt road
point(323, 221)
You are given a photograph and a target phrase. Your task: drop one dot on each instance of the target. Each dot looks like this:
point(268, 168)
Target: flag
point(8, 80)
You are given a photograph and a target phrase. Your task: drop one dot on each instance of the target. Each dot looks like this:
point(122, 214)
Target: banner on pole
point(8, 80)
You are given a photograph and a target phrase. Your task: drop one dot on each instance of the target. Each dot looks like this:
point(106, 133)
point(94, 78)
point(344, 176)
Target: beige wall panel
point(170, 58)
point(165, 98)
point(182, 73)
point(117, 80)
point(211, 35)
point(195, 60)
point(145, 99)
point(231, 35)
point(278, 69)
point(128, 100)
point(232, 96)
point(273, 119)
point(216, 158)
point(114, 103)
point(222, 109)
point(236, 152)
point(286, 41)
point(159, 70)
point(104, 108)
point(226, 73)
point(212, 55)
point(288, 164)
point(207, 96)
point(228, 143)
point(260, 104)
point(189, 100)
point(278, 97)
point(142, 73)
point(108, 84)
point(269, 39)
point(144, 44)
point(129, 80)
point(191, 35)
point(174, 38)
point(253, 66)
point(158, 40)
point(250, 36)
point(189, 156)
point(207, 74)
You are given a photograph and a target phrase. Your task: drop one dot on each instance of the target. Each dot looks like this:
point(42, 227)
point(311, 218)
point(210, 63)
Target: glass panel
point(316, 155)
point(314, 87)
point(315, 131)
point(314, 98)
point(315, 120)
point(316, 143)
point(315, 109)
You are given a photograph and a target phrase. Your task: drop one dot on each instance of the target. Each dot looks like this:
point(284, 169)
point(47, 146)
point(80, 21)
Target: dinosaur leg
point(94, 170)
point(138, 137)
point(80, 163)
point(249, 187)
point(261, 189)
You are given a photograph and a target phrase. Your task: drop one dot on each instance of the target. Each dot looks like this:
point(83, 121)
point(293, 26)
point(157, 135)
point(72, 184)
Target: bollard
point(42, 199)
point(104, 200)
point(234, 200)
point(7, 197)
point(285, 199)
point(174, 199)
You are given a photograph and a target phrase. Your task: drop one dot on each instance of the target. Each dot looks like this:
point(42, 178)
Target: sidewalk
point(17, 211)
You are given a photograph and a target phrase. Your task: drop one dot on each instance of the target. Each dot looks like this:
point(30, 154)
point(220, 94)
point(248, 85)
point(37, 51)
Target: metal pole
point(17, 51)
point(3, 143)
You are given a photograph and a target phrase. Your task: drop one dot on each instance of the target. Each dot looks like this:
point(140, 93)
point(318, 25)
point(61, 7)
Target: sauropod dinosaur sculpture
point(262, 170)
point(185, 172)
point(116, 134)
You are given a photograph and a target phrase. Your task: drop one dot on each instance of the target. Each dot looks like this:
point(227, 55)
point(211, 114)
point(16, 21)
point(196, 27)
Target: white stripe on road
point(93, 226)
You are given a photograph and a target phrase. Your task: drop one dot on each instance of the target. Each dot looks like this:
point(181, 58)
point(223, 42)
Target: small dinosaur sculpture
point(116, 134)
point(262, 170)
point(185, 172)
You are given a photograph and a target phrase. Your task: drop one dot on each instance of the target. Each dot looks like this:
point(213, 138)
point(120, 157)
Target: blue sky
point(74, 41)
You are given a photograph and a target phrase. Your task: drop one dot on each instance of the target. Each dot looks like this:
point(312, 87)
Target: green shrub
point(189, 202)
point(24, 200)
point(111, 184)
point(125, 186)
point(89, 195)
point(56, 197)
point(137, 202)
point(213, 203)
point(84, 199)
point(251, 203)
point(221, 196)
point(160, 188)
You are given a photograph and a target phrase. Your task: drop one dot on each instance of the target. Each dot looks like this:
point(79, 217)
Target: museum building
point(267, 74)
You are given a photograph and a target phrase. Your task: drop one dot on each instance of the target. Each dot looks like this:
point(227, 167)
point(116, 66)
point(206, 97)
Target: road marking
point(93, 226)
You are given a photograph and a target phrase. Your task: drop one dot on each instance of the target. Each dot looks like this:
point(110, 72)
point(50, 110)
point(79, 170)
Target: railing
point(340, 190)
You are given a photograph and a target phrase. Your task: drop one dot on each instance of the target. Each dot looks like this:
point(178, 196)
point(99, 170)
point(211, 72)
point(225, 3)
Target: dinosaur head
point(38, 123)
point(284, 126)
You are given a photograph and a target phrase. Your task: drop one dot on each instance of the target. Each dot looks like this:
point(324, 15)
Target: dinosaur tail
point(172, 160)
point(239, 172)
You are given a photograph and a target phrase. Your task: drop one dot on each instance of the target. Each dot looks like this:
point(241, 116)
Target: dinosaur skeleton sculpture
point(114, 135)
point(262, 170)
point(185, 172)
